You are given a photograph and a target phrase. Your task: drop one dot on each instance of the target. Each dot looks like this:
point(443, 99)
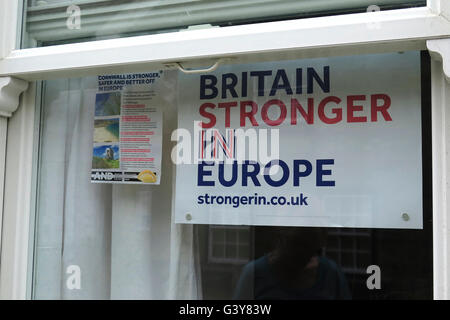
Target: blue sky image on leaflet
point(107, 104)
point(100, 151)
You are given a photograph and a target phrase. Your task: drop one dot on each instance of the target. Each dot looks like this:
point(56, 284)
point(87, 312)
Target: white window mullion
point(10, 89)
point(3, 131)
point(440, 77)
point(17, 195)
point(9, 18)
point(441, 7)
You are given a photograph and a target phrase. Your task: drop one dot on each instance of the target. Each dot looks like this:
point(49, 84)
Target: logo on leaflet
point(106, 176)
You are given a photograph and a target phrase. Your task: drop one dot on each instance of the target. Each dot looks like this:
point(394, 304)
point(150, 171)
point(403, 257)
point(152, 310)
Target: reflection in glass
point(317, 263)
point(294, 269)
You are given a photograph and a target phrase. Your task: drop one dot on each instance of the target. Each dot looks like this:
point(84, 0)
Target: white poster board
point(349, 132)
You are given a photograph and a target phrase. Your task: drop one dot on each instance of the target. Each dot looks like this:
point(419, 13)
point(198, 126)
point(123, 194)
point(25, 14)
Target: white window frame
point(384, 31)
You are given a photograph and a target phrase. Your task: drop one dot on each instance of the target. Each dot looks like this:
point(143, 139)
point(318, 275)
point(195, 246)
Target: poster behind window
point(329, 142)
point(127, 134)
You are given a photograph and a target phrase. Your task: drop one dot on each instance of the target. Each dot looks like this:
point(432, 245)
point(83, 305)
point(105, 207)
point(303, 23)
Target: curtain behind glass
point(120, 236)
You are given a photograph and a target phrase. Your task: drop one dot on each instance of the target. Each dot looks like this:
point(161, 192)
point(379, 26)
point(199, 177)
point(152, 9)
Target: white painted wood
point(17, 199)
point(440, 52)
point(440, 7)
point(445, 9)
point(434, 5)
point(8, 26)
point(3, 131)
point(8, 96)
point(375, 29)
point(10, 90)
point(441, 187)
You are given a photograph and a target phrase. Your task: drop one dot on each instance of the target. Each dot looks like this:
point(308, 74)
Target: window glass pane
point(123, 241)
point(108, 241)
point(55, 21)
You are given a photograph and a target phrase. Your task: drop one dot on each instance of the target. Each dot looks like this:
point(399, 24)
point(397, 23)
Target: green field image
point(101, 163)
point(106, 157)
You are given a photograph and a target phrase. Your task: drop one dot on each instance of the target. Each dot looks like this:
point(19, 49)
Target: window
point(400, 32)
point(228, 244)
point(352, 249)
point(125, 240)
point(50, 22)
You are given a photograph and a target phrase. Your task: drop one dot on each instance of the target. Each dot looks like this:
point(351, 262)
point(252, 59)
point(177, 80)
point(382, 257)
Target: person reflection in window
point(294, 269)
